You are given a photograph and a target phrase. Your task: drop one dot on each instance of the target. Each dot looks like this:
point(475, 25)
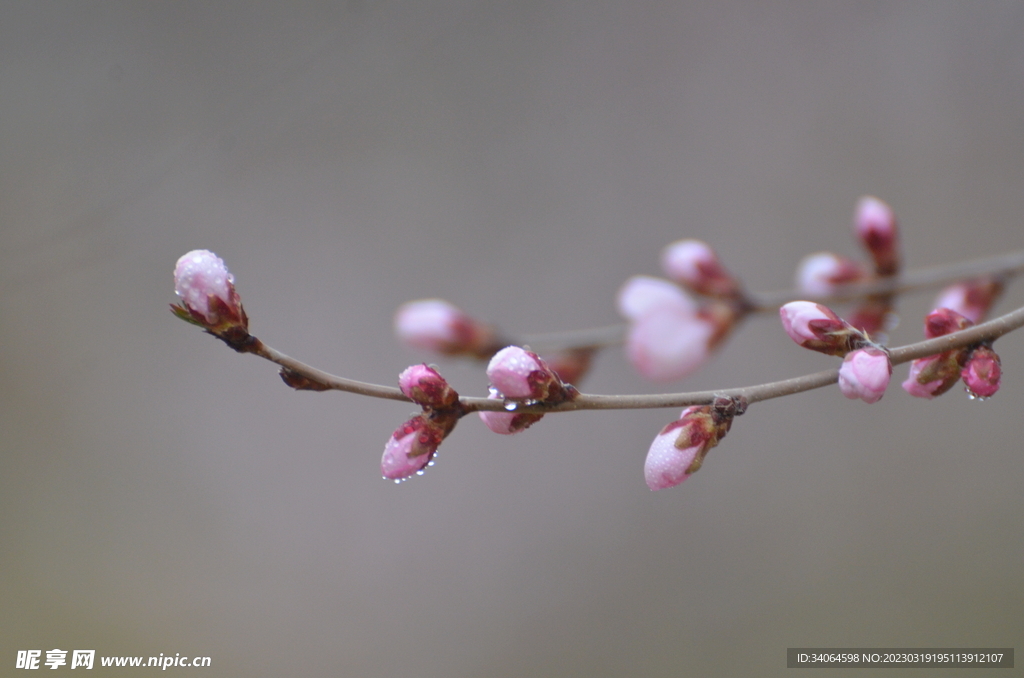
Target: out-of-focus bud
point(693, 264)
point(208, 297)
point(982, 373)
point(508, 422)
point(875, 226)
point(818, 328)
point(422, 384)
point(819, 274)
point(670, 343)
point(933, 375)
point(679, 450)
point(943, 321)
point(522, 375)
point(436, 325)
point(643, 294)
point(865, 374)
point(972, 299)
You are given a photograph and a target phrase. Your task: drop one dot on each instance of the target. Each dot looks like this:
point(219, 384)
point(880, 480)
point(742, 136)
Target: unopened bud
point(422, 384)
point(436, 325)
point(679, 450)
point(208, 297)
point(875, 227)
point(819, 274)
point(507, 422)
point(695, 265)
point(865, 374)
point(643, 294)
point(522, 375)
point(410, 448)
point(982, 373)
point(972, 299)
point(818, 328)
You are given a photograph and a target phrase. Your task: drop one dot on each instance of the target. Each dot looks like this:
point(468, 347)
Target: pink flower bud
point(642, 294)
point(679, 450)
point(695, 265)
point(670, 343)
point(422, 384)
point(436, 325)
point(818, 328)
point(926, 386)
point(875, 226)
point(865, 374)
point(935, 374)
point(411, 448)
point(972, 299)
point(208, 296)
point(982, 373)
point(519, 374)
point(508, 422)
point(943, 321)
point(819, 274)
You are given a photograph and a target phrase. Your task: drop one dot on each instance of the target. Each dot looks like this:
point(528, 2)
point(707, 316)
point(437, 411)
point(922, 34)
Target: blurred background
point(162, 494)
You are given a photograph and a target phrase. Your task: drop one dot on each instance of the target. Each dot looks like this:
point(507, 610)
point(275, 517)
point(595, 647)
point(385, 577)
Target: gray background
point(161, 494)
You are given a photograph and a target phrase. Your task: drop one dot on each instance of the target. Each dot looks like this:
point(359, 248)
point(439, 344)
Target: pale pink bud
point(508, 422)
point(818, 328)
point(875, 226)
point(436, 325)
point(641, 294)
point(865, 374)
point(982, 373)
point(208, 296)
point(521, 375)
point(819, 274)
point(422, 384)
point(694, 264)
point(410, 448)
point(679, 450)
point(972, 299)
point(670, 343)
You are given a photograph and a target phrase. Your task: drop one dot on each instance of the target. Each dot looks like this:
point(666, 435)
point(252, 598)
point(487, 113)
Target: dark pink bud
point(693, 264)
point(865, 374)
point(982, 373)
point(422, 384)
point(875, 226)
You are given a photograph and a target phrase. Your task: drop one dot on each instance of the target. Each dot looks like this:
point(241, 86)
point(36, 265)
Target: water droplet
point(420, 472)
point(511, 406)
point(493, 392)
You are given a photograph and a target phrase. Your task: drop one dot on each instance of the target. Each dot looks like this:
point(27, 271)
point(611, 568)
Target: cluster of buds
point(208, 298)
point(820, 274)
point(521, 378)
point(413, 445)
point(978, 365)
point(671, 334)
point(866, 367)
point(678, 451)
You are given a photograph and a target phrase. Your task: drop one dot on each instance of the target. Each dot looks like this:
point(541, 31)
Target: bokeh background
point(161, 494)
